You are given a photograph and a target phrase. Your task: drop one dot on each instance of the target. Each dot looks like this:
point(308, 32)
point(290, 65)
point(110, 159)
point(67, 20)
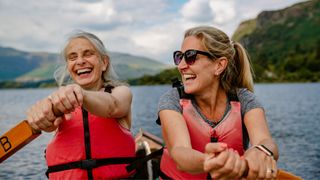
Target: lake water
point(293, 113)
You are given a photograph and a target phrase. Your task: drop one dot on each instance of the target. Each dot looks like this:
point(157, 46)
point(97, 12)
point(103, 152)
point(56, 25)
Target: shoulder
point(244, 93)
point(171, 93)
point(248, 100)
point(170, 100)
point(121, 90)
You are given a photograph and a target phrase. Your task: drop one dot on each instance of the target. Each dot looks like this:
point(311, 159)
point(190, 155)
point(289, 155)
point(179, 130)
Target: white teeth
point(188, 76)
point(83, 70)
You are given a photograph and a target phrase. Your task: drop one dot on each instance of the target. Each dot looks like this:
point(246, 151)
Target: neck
point(213, 103)
point(95, 87)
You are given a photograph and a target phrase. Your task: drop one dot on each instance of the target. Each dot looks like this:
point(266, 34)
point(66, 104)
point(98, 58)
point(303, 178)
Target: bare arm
point(259, 163)
point(258, 130)
point(114, 105)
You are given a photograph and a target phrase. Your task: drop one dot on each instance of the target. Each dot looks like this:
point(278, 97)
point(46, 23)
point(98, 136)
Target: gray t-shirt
point(171, 101)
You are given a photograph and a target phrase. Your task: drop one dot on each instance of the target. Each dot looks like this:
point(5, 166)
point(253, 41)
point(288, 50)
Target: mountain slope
point(15, 63)
point(128, 66)
point(27, 66)
point(284, 45)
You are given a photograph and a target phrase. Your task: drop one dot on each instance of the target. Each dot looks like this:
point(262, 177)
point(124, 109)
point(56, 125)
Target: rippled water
point(293, 112)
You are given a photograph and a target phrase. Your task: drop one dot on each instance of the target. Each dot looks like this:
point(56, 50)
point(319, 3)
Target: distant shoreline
point(50, 83)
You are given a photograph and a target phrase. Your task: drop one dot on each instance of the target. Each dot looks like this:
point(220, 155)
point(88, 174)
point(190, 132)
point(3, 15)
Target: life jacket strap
point(139, 162)
point(90, 164)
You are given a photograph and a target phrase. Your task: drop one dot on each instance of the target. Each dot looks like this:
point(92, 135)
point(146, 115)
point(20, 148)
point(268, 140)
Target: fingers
point(212, 163)
point(226, 165)
point(68, 116)
point(61, 101)
point(244, 168)
point(269, 169)
point(67, 98)
point(263, 167)
point(77, 90)
point(272, 170)
point(227, 169)
point(57, 121)
point(275, 169)
point(211, 150)
point(215, 147)
point(40, 115)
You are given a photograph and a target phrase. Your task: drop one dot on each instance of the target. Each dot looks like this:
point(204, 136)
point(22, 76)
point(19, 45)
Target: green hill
point(128, 66)
point(15, 63)
point(284, 45)
point(23, 66)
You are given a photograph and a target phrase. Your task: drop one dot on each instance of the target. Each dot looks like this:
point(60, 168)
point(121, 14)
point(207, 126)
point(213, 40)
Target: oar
point(18, 137)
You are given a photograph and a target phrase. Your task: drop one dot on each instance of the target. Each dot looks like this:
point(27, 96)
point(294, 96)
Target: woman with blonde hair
point(208, 121)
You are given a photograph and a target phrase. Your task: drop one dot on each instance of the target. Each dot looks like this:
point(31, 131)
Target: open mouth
point(84, 71)
point(189, 76)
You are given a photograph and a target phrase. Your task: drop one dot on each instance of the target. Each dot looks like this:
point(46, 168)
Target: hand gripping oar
point(281, 174)
point(18, 137)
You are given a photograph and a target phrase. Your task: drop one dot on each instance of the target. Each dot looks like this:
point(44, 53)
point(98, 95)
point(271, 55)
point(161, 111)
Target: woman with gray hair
point(208, 120)
point(91, 116)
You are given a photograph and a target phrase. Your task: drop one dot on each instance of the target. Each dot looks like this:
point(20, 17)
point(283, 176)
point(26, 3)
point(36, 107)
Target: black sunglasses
point(189, 56)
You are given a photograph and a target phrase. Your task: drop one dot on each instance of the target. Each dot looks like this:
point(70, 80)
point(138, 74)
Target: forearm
point(102, 104)
point(258, 130)
point(188, 160)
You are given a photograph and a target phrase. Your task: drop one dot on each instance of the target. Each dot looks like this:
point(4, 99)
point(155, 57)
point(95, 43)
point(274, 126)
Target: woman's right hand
point(41, 116)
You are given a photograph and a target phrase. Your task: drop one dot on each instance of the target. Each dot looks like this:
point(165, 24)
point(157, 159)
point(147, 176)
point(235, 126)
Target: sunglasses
point(190, 56)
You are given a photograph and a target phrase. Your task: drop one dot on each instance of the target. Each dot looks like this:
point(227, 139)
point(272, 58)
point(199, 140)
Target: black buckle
point(88, 164)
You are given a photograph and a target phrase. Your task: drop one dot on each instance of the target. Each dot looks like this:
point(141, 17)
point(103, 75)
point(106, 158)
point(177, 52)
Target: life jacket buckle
point(88, 164)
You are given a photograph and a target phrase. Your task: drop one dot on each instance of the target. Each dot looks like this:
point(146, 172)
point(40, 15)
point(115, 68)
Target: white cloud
point(152, 28)
point(197, 10)
point(223, 11)
point(213, 11)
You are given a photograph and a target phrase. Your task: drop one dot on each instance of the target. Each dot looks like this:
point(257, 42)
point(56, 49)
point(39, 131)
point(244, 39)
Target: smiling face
point(84, 64)
point(200, 76)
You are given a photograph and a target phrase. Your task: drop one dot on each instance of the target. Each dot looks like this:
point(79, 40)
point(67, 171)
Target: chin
point(188, 89)
point(83, 83)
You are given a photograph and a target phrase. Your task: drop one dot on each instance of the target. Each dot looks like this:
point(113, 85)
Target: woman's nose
point(80, 60)
point(182, 64)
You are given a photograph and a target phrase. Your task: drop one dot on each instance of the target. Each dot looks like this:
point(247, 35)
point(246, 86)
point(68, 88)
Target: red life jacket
point(108, 139)
point(228, 130)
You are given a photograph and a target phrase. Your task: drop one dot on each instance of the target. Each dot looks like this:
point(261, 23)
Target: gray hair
point(62, 75)
point(238, 72)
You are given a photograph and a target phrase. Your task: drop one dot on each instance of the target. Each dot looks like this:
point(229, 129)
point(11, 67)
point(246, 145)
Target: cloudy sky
point(151, 28)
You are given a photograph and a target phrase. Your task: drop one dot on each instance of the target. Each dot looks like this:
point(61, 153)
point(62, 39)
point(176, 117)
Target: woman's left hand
point(261, 166)
point(67, 98)
point(225, 164)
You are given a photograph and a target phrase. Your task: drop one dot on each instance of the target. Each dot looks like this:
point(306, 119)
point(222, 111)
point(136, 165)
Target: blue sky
point(151, 28)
